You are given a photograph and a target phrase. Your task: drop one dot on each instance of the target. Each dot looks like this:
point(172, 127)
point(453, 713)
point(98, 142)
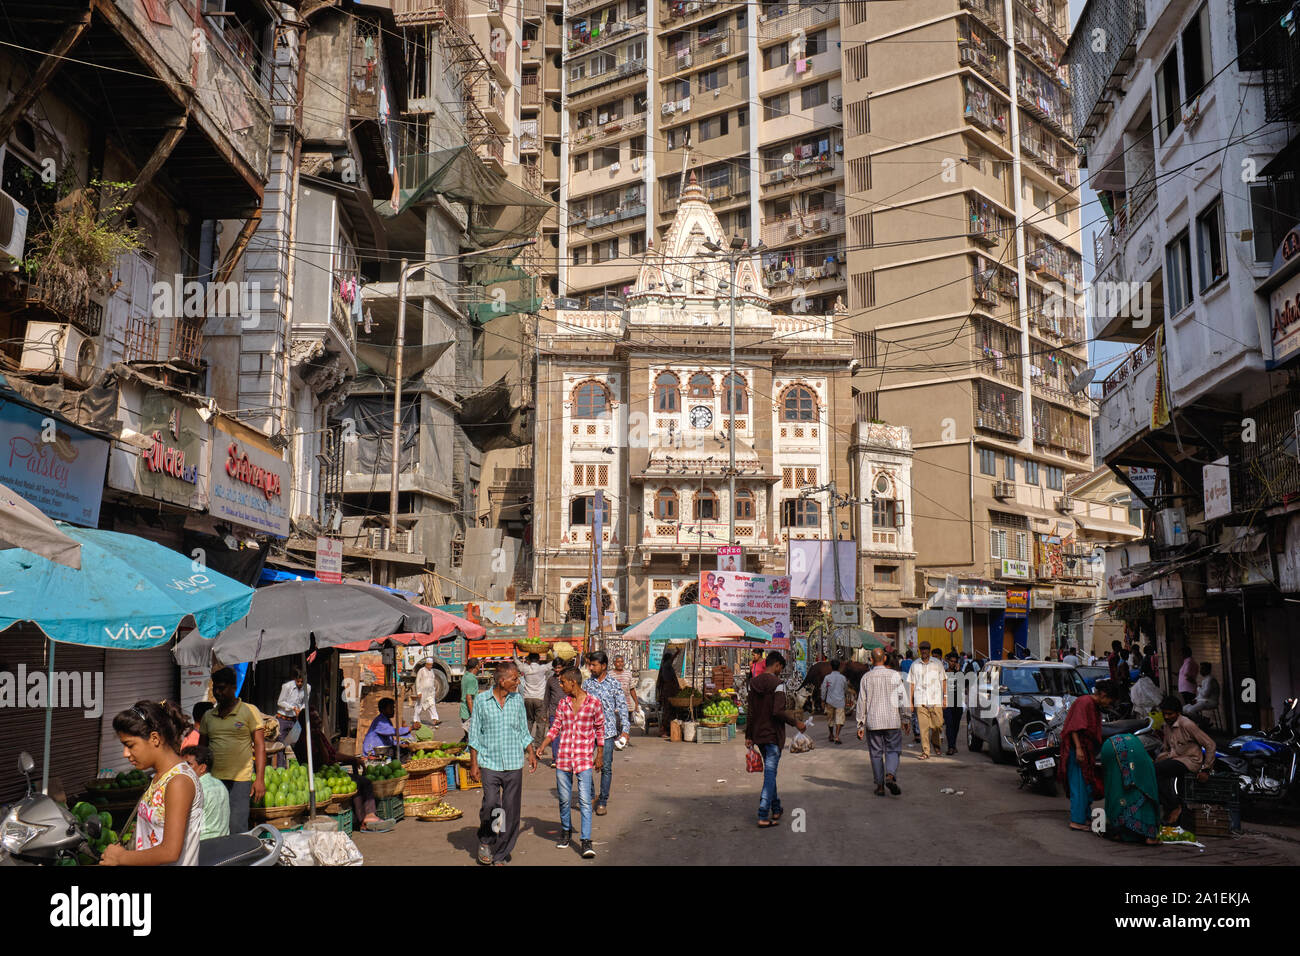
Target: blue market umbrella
point(129, 594)
point(693, 622)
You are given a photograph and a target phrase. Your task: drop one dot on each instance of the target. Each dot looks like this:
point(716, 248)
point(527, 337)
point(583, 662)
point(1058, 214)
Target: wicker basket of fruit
point(438, 812)
point(533, 647)
point(271, 814)
point(422, 765)
point(388, 778)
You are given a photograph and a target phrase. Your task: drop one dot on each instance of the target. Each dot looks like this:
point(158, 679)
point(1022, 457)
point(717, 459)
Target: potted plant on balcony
point(70, 257)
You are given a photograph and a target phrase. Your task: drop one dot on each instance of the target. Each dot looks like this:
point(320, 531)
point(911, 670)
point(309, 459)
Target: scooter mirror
point(25, 763)
point(94, 828)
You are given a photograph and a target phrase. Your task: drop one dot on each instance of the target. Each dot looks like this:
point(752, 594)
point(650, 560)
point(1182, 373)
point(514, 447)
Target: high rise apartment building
point(965, 289)
point(744, 95)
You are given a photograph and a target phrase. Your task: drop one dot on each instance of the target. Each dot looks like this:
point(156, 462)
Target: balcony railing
point(147, 339)
point(428, 11)
point(1095, 67)
point(982, 51)
point(79, 309)
point(987, 224)
point(1044, 96)
point(782, 21)
point(612, 127)
point(1138, 201)
point(578, 43)
point(989, 13)
point(998, 409)
point(998, 349)
point(620, 71)
point(797, 227)
point(1052, 262)
point(983, 109)
point(1136, 360)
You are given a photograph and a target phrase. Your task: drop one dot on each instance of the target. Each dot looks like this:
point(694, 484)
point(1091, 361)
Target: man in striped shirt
point(880, 697)
point(604, 686)
point(577, 737)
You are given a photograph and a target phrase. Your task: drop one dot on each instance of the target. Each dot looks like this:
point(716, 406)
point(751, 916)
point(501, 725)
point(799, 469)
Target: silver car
point(991, 711)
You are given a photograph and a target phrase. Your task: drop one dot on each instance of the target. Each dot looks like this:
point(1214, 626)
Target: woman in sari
point(1132, 798)
point(1080, 743)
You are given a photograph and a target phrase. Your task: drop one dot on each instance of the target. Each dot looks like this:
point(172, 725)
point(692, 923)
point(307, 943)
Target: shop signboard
point(1042, 599)
point(981, 597)
point(1217, 485)
point(1015, 569)
point(58, 468)
point(329, 560)
point(1167, 592)
point(811, 564)
point(250, 486)
point(1119, 584)
point(1017, 602)
point(173, 467)
point(731, 557)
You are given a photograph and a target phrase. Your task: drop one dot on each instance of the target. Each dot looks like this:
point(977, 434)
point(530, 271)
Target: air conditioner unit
point(724, 48)
point(56, 347)
point(837, 103)
point(693, 6)
point(13, 227)
point(825, 223)
point(378, 539)
point(1065, 504)
point(1004, 490)
point(668, 109)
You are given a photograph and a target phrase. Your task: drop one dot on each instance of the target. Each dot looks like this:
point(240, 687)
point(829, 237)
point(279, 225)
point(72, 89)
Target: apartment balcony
point(171, 339)
point(1051, 15)
point(985, 111)
point(1051, 262)
point(997, 351)
point(616, 126)
point(530, 92)
point(804, 171)
point(1051, 387)
point(1044, 96)
point(491, 101)
point(422, 12)
point(718, 191)
point(578, 44)
point(624, 76)
point(989, 13)
point(534, 9)
point(800, 228)
point(608, 217)
point(1127, 397)
point(1097, 70)
point(1041, 45)
point(998, 409)
point(983, 52)
point(1279, 50)
point(781, 22)
point(494, 13)
point(530, 140)
point(782, 278)
point(988, 226)
point(55, 299)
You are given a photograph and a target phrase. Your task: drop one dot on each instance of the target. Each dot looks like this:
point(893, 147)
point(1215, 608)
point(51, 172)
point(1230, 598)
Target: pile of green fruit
point(337, 780)
point(392, 770)
point(721, 708)
point(83, 811)
point(126, 780)
point(287, 787)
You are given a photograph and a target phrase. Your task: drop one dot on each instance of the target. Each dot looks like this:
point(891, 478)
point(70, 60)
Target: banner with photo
point(761, 599)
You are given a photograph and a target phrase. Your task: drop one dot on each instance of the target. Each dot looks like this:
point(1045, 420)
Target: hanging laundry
point(801, 65)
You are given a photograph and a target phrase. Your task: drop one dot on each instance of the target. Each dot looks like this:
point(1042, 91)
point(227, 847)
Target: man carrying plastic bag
point(769, 713)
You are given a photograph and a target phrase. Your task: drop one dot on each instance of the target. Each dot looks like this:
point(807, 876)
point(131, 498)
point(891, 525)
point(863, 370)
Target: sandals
point(1082, 827)
point(893, 786)
point(766, 824)
point(879, 791)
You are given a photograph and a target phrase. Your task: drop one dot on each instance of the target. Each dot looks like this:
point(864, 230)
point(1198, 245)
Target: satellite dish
point(788, 158)
point(1082, 380)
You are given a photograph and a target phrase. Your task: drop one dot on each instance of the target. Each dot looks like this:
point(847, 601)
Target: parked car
point(1051, 685)
point(1091, 673)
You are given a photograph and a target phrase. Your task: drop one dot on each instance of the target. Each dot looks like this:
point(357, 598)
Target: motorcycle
point(1037, 742)
point(1265, 766)
point(40, 831)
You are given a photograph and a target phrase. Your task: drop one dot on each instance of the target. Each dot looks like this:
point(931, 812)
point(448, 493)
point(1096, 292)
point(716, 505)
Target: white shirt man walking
point(926, 681)
point(833, 687)
point(880, 697)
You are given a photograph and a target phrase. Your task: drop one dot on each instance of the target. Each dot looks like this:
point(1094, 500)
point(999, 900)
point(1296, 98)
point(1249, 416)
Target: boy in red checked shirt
point(578, 732)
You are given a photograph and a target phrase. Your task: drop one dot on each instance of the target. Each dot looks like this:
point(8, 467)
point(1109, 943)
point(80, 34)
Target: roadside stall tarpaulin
point(23, 525)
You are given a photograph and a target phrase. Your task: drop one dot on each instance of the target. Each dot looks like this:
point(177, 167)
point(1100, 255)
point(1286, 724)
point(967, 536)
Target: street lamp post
point(739, 249)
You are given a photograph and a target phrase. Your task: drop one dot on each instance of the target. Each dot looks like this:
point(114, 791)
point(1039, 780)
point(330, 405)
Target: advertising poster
point(731, 558)
point(812, 570)
point(761, 599)
point(63, 477)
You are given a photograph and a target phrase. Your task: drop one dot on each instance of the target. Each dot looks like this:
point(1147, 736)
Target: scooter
point(39, 831)
point(1266, 766)
point(1037, 742)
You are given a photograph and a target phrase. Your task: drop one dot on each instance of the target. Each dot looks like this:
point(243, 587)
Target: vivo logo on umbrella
point(195, 582)
point(152, 632)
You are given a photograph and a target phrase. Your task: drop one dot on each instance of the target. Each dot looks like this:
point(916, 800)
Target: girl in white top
point(169, 817)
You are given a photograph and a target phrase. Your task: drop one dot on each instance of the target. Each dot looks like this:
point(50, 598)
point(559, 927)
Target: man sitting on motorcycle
point(1185, 749)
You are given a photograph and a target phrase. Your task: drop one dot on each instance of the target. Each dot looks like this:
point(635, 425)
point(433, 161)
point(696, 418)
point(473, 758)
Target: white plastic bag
point(801, 744)
point(297, 849)
point(334, 849)
point(638, 718)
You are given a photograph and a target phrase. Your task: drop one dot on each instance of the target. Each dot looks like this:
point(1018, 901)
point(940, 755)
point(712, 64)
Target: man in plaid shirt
point(578, 733)
point(604, 685)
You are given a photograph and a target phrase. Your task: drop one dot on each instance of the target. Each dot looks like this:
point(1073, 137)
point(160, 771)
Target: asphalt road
point(694, 803)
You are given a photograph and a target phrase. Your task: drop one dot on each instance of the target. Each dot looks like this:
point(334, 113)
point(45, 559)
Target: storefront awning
point(1105, 526)
point(897, 613)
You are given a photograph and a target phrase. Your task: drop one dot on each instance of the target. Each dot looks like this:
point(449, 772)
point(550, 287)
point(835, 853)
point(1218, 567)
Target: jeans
point(564, 783)
point(606, 771)
point(886, 746)
point(498, 816)
point(241, 792)
point(768, 802)
point(1080, 793)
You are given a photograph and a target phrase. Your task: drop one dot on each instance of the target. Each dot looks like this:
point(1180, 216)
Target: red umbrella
point(443, 625)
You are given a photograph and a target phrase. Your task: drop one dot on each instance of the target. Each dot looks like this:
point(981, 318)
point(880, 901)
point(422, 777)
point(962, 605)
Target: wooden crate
point(1211, 819)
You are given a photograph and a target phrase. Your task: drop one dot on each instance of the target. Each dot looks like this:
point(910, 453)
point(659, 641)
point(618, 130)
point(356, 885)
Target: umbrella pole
point(311, 771)
point(49, 724)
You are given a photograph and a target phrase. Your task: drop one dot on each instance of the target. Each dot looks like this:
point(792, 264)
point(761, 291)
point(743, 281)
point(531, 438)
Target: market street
point(678, 803)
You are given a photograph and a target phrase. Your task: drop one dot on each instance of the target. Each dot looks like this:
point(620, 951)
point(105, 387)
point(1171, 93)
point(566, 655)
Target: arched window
point(690, 595)
point(800, 405)
point(800, 513)
point(706, 506)
point(735, 384)
point(666, 504)
point(666, 394)
point(662, 604)
point(744, 504)
point(582, 510)
point(591, 400)
point(701, 385)
point(577, 602)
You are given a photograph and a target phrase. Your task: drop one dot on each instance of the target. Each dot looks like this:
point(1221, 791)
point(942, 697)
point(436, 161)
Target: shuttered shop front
point(74, 749)
point(132, 676)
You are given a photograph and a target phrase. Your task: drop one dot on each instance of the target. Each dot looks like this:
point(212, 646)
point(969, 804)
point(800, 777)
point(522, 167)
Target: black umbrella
point(294, 617)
